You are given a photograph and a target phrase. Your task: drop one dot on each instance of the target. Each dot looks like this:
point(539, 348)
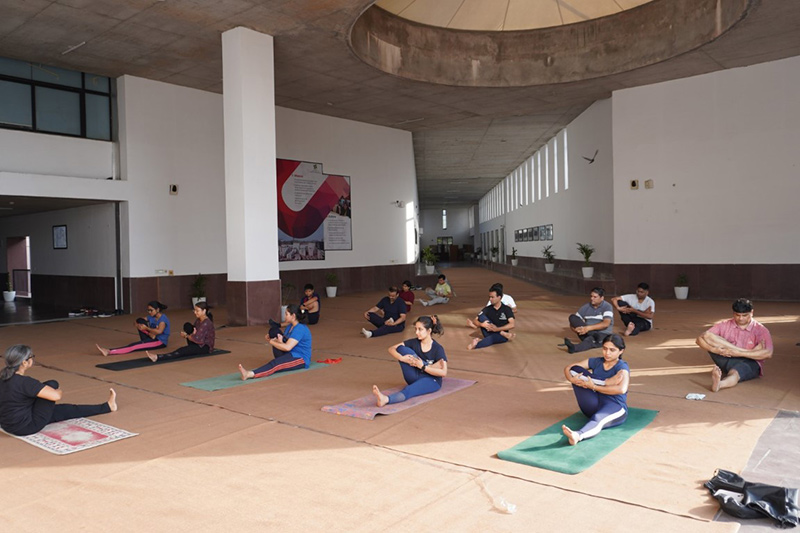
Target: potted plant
point(681, 287)
point(429, 258)
point(514, 260)
point(331, 284)
point(287, 296)
point(198, 289)
point(10, 294)
point(495, 251)
point(478, 253)
point(586, 251)
point(549, 258)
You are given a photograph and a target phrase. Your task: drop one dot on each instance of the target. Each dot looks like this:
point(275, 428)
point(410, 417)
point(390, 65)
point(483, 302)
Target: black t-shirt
point(392, 309)
point(17, 395)
point(498, 317)
point(435, 354)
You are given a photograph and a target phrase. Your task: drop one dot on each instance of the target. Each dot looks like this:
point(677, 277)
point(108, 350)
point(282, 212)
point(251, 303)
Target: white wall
point(430, 220)
point(91, 241)
point(721, 149)
point(172, 135)
point(580, 213)
point(380, 163)
point(55, 155)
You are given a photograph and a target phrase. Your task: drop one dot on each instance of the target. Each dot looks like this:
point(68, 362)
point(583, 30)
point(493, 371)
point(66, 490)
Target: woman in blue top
point(153, 332)
point(422, 360)
point(291, 349)
point(601, 388)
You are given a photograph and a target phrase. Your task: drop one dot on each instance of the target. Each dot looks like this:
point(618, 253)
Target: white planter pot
point(681, 293)
point(549, 267)
point(196, 300)
point(331, 292)
point(429, 269)
point(514, 262)
point(283, 312)
point(494, 258)
point(588, 272)
point(9, 296)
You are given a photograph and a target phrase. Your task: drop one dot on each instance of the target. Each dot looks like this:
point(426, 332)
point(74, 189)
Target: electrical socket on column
point(634, 184)
point(173, 189)
point(649, 184)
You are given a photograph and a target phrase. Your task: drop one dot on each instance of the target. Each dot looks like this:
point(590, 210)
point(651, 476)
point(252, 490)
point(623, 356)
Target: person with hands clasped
point(601, 388)
point(199, 336)
point(422, 361)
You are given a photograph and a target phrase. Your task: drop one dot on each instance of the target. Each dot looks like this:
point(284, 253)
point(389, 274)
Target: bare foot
point(380, 398)
point(716, 377)
point(473, 344)
point(471, 324)
point(573, 436)
point(112, 399)
point(508, 335)
point(103, 351)
point(630, 329)
point(246, 374)
point(153, 357)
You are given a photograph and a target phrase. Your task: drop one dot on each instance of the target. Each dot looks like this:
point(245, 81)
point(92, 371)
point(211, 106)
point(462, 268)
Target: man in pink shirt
point(738, 347)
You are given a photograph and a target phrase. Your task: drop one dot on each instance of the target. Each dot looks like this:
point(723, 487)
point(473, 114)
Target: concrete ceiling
point(466, 139)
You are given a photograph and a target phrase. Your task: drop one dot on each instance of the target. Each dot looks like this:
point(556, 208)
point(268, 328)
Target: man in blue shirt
point(592, 322)
point(388, 315)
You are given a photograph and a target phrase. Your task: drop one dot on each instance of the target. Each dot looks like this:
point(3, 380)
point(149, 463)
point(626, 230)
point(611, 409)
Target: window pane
point(15, 104)
point(96, 83)
point(98, 125)
point(56, 75)
point(12, 67)
point(58, 111)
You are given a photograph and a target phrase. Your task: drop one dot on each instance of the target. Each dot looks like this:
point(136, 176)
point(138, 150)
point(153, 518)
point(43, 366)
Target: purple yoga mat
point(365, 407)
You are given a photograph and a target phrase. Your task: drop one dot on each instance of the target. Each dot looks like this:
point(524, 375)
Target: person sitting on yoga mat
point(388, 315)
point(422, 361)
point(28, 405)
point(496, 321)
point(199, 337)
point(310, 304)
point(601, 388)
point(153, 332)
point(291, 349)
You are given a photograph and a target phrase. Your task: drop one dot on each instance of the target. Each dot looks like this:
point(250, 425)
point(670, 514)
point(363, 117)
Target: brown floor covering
point(266, 456)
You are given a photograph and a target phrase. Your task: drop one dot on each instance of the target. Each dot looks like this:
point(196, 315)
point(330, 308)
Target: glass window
point(98, 122)
point(96, 83)
point(15, 104)
point(58, 111)
point(13, 67)
point(58, 76)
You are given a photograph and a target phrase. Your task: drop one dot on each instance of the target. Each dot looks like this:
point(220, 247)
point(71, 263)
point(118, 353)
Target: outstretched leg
point(380, 398)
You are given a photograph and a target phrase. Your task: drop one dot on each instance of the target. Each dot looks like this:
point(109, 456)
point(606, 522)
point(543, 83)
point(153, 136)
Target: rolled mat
point(234, 380)
point(116, 366)
point(550, 449)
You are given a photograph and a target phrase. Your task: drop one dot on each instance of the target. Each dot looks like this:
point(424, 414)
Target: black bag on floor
point(743, 499)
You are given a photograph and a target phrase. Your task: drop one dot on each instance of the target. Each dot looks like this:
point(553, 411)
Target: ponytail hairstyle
point(431, 323)
point(617, 341)
point(301, 314)
point(155, 304)
point(207, 308)
point(14, 357)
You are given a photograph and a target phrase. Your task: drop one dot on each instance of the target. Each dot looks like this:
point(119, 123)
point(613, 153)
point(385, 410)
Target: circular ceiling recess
point(520, 43)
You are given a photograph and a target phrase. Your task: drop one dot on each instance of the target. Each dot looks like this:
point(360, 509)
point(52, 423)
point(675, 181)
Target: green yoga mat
point(234, 380)
point(550, 449)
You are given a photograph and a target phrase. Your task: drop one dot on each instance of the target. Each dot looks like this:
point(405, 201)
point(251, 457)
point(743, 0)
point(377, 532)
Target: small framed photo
point(549, 232)
point(536, 233)
point(525, 236)
point(60, 237)
point(517, 235)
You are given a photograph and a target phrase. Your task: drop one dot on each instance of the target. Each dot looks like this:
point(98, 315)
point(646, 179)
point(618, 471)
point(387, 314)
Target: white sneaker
point(366, 332)
point(424, 303)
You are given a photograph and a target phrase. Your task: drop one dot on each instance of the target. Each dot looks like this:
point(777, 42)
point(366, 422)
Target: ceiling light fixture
point(72, 48)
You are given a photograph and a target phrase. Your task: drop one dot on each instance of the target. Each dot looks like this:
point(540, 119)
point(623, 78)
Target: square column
point(251, 212)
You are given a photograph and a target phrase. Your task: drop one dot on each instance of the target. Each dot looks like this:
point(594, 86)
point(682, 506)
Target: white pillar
point(250, 182)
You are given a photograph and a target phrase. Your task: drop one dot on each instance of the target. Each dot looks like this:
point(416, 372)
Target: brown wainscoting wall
point(706, 282)
point(716, 282)
point(74, 292)
point(356, 279)
point(172, 291)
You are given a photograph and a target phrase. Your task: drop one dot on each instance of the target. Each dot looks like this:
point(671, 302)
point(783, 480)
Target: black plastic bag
point(743, 499)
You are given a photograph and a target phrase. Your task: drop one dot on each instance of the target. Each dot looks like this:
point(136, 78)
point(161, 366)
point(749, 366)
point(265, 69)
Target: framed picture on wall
point(525, 234)
point(60, 237)
point(549, 232)
point(517, 236)
point(535, 233)
point(542, 233)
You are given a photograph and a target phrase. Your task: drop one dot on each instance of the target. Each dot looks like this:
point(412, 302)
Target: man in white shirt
point(636, 310)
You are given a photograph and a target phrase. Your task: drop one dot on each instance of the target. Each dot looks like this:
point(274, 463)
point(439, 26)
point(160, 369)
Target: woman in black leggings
point(28, 405)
